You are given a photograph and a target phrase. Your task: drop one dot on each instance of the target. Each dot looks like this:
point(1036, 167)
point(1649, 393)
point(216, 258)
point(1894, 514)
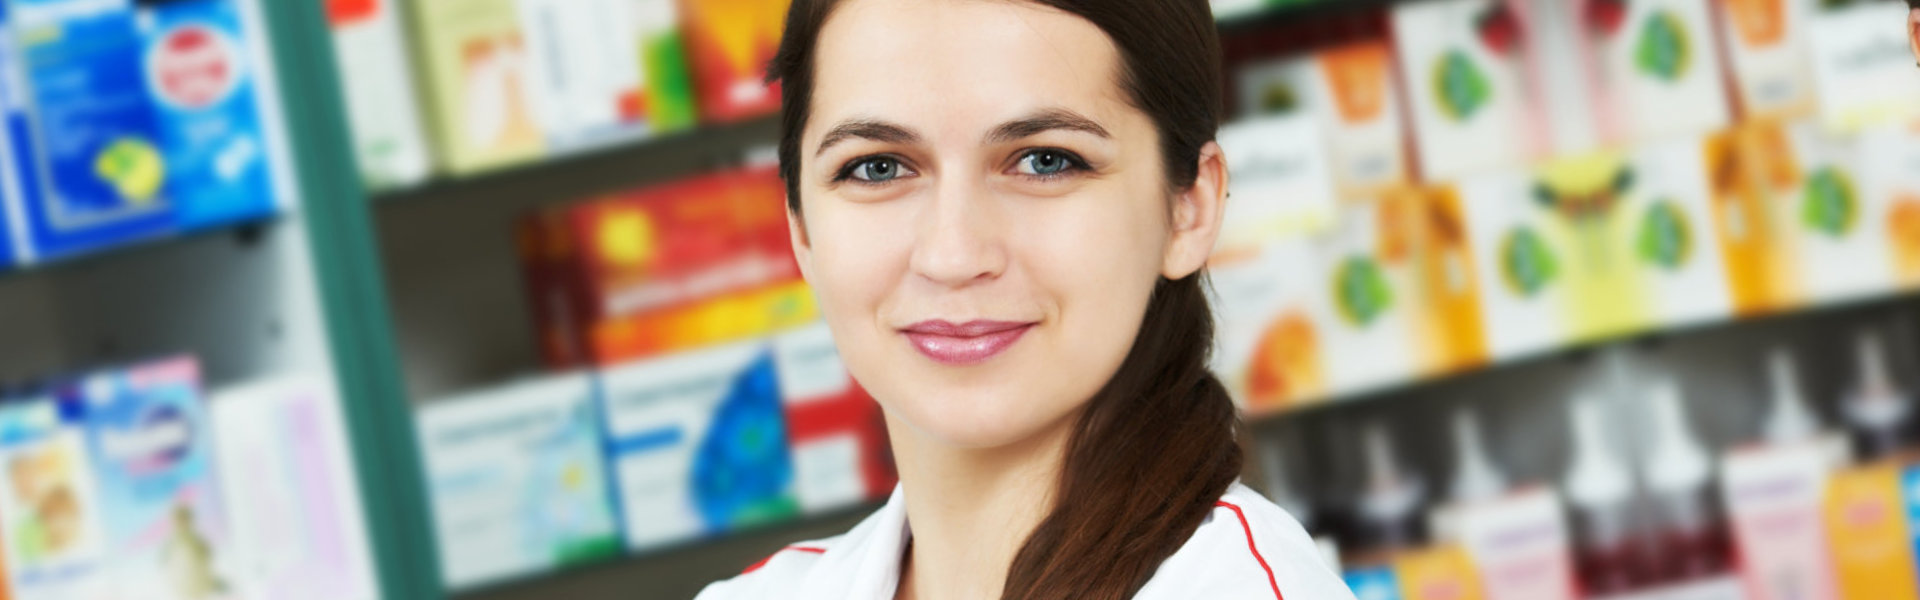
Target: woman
point(1004, 208)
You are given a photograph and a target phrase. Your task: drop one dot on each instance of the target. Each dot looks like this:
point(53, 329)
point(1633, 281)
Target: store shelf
point(453, 270)
point(243, 233)
point(719, 144)
point(231, 297)
point(1347, 398)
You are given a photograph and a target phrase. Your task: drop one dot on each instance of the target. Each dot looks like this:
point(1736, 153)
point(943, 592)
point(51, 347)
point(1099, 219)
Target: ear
point(802, 245)
point(1196, 216)
point(1913, 31)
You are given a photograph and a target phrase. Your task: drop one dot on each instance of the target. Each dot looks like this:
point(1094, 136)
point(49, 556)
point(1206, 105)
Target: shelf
point(1415, 385)
point(245, 233)
point(709, 146)
point(453, 270)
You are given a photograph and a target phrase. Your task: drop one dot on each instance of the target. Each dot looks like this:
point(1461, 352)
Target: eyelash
point(846, 172)
point(1075, 165)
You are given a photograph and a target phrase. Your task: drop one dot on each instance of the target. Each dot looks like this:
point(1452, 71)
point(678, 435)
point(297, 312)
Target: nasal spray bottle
point(1877, 409)
point(1691, 543)
point(1599, 490)
point(1390, 506)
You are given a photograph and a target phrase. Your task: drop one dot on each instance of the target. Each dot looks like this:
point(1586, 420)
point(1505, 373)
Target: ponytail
point(1153, 451)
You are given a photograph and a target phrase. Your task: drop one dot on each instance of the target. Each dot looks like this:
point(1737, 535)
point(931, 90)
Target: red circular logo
point(194, 66)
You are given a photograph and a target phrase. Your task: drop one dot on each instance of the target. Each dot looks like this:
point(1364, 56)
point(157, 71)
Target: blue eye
point(1048, 163)
point(875, 170)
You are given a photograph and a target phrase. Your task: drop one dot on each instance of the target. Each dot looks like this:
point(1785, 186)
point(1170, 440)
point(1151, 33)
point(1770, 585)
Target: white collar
point(871, 551)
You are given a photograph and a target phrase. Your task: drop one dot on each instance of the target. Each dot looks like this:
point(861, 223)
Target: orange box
point(729, 43)
point(1867, 530)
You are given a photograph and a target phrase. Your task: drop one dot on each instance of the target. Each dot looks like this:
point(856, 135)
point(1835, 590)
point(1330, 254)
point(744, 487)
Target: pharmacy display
point(1625, 176)
point(122, 483)
point(505, 82)
point(517, 481)
point(128, 122)
point(1643, 510)
point(588, 465)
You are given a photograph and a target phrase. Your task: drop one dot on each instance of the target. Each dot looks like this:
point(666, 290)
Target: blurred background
point(492, 299)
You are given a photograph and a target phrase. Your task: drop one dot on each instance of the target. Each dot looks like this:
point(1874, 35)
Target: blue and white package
point(147, 434)
point(201, 80)
point(697, 443)
point(89, 168)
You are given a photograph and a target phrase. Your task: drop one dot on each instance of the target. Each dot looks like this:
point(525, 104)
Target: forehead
point(959, 66)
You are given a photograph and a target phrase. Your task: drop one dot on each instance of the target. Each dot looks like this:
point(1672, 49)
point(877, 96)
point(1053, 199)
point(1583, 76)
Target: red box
point(638, 273)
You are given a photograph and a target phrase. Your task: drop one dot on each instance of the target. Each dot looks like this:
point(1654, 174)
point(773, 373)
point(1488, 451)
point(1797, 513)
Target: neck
point(970, 510)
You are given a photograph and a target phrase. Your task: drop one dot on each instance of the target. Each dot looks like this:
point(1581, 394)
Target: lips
point(967, 343)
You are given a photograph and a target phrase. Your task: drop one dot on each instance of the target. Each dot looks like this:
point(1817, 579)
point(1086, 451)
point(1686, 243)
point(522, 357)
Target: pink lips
point(964, 344)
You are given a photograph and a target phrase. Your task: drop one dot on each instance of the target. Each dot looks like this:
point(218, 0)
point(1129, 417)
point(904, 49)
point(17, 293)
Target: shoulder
point(1248, 549)
point(774, 575)
point(856, 564)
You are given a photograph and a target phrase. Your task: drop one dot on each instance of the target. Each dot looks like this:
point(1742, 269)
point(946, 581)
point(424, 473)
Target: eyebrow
point(868, 129)
point(1053, 119)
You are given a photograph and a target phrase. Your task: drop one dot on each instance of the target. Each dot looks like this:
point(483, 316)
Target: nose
point(959, 240)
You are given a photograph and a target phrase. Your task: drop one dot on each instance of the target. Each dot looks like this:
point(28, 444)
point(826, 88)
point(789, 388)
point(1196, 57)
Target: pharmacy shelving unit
point(350, 300)
point(294, 296)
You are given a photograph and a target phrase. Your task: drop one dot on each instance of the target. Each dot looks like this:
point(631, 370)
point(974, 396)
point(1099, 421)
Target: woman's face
point(984, 214)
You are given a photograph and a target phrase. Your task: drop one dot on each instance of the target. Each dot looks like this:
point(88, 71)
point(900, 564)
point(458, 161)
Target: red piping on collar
point(763, 561)
point(1274, 583)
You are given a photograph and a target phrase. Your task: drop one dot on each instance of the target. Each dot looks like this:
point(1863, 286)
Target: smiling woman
point(1005, 208)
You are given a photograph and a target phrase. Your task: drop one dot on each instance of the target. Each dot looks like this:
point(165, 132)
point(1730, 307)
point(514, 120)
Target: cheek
point(1099, 265)
point(858, 255)
point(858, 258)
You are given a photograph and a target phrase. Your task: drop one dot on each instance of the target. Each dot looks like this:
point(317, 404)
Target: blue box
point(200, 75)
point(82, 132)
point(8, 258)
point(1373, 583)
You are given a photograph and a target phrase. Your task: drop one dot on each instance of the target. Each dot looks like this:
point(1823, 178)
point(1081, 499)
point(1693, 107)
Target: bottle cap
point(1391, 495)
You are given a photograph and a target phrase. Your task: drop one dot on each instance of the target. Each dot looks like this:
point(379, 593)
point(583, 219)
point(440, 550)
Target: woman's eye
point(1047, 163)
point(876, 170)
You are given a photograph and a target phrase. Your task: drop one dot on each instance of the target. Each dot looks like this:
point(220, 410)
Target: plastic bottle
point(1475, 478)
point(1691, 542)
point(1789, 419)
point(1599, 490)
point(1877, 409)
point(1390, 506)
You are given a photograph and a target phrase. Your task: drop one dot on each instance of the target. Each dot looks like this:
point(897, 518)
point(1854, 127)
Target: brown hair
point(1155, 447)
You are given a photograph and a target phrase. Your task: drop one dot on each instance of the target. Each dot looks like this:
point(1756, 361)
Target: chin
point(977, 419)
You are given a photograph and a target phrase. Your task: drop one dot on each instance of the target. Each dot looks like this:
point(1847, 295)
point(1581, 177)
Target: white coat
point(1247, 549)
